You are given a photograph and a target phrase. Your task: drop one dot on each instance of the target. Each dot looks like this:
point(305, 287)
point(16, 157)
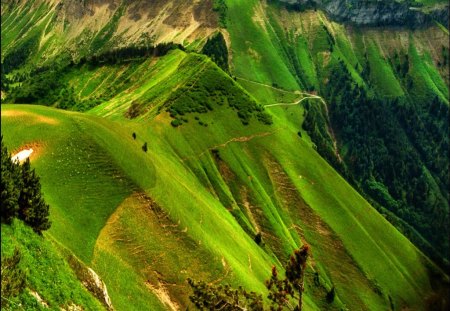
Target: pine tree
point(32, 208)
point(9, 190)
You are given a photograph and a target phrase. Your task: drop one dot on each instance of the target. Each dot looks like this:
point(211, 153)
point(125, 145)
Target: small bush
point(331, 294)
point(13, 277)
point(176, 122)
point(258, 238)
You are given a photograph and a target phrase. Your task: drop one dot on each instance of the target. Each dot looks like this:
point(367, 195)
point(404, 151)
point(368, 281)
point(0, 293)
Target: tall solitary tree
point(32, 208)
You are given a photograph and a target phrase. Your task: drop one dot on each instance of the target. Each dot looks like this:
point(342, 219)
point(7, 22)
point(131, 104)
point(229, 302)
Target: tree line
point(129, 53)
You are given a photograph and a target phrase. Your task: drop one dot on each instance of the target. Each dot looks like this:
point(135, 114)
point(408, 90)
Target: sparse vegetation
point(216, 200)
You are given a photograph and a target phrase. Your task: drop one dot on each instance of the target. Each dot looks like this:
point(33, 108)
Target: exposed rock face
point(96, 286)
point(376, 12)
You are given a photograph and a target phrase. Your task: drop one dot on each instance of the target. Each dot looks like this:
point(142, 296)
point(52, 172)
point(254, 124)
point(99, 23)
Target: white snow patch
point(22, 155)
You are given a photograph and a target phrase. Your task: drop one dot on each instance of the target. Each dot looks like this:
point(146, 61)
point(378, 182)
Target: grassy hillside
point(247, 186)
point(48, 274)
point(174, 166)
point(305, 51)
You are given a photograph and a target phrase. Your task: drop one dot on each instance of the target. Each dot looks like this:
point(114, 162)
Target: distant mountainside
point(208, 139)
point(417, 14)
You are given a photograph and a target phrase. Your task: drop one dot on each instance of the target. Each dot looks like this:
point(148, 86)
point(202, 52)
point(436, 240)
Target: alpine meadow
point(225, 155)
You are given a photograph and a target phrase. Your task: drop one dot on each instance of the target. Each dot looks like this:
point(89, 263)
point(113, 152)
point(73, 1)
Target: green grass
point(381, 74)
point(255, 53)
point(99, 165)
point(427, 80)
point(47, 272)
point(179, 211)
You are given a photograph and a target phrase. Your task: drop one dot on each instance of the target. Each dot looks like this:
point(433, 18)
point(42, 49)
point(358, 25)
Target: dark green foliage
point(33, 209)
point(316, 124)
point(213, 87)
point(223, 297)
point(9, 190)
point(216, 154)
point(13, 278)
point(176, 122)
point(258, 238)
point(331, 294)
point(144, 147)
point(128, 54)
point(133, 135)
point(20, 53)
point(41, 87)
point(3, 80)
point(216, 49)
point(396, 152)
point(221, 8)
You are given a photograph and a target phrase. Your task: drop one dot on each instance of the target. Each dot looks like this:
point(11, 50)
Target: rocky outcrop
point(97, 287)
point(91, 280)
point(376, 12)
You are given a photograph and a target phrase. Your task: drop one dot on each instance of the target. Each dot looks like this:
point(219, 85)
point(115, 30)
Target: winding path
point(307, 96)
point(297, 102)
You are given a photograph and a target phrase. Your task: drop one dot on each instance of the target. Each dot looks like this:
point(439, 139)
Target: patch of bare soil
point(163, 295)
point(35, 117)
point(165, 260)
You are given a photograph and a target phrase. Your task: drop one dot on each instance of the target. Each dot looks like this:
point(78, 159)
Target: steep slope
point(50, 281)
point(247, 179)
point(36, 32)
point(175, 167)
point(379, 13)
point(404, 74)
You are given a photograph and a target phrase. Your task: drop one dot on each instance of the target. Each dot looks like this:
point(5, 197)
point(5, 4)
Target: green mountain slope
point(47, 271)
point(246, 186)
point(308, 51)
point(163, 167)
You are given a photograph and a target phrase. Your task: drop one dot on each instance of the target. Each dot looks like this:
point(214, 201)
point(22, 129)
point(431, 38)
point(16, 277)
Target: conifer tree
point(9, 190)
point(32, 208)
